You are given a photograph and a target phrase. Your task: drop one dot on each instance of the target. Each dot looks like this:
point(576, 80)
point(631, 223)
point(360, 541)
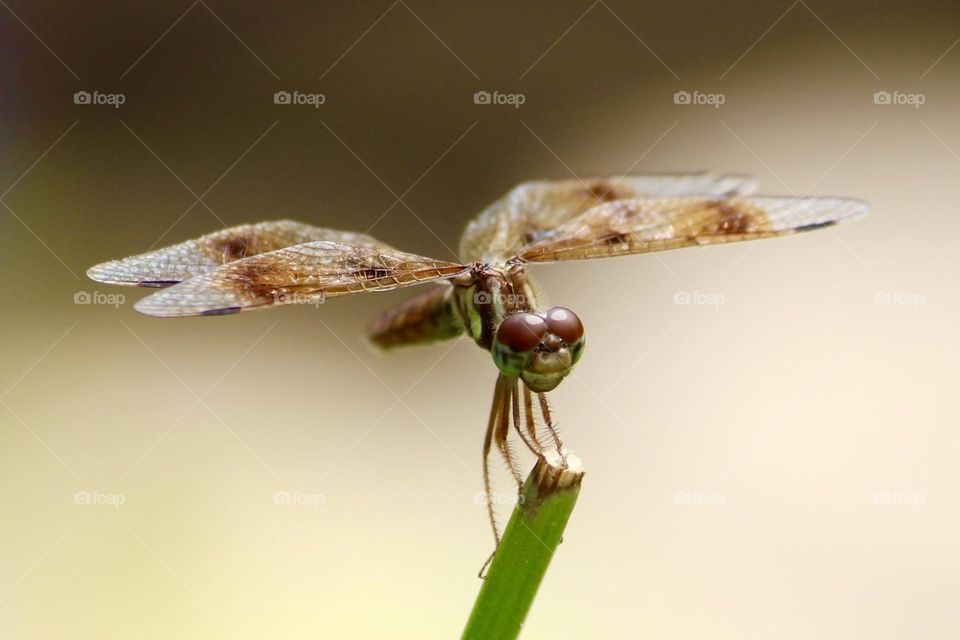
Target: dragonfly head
point(540, 348)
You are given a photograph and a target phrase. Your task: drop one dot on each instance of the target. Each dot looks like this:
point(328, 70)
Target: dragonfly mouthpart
point(545, 369)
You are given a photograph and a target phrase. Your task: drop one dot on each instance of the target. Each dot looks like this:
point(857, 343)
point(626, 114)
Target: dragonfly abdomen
point(427, 317)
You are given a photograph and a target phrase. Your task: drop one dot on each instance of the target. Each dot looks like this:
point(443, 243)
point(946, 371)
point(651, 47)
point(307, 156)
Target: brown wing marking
point(530, 212)
point(170, 265)
point(640, 226)
point(306, 273)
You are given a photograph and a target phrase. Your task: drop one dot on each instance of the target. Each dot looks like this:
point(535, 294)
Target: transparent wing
point(530, 211)
point(170, 265)
point(306, 273)
point(640, 226)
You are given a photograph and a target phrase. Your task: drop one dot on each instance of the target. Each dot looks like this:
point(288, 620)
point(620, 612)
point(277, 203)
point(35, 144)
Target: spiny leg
point(498, 413)
point(502, 431)
point(545, 410)
point(495, 412)
point(528, 414)
point(533, 445)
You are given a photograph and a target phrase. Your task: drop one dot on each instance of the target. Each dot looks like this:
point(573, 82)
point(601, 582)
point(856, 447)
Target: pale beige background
point(780, 466)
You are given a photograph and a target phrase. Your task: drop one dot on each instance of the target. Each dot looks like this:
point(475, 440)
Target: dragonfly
point(488, 294)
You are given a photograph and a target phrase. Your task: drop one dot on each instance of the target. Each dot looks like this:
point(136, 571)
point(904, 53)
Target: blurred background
point(769, 429)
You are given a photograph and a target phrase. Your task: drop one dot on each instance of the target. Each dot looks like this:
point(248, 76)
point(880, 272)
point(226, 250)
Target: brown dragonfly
point(488, 295)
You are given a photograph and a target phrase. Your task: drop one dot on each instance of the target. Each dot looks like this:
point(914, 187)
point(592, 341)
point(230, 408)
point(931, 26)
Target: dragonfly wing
point(533, 209)
point(641, 226)
point(170, 265)
point(305, 273)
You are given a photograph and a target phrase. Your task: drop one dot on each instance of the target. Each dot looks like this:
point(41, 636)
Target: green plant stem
point(532, 535)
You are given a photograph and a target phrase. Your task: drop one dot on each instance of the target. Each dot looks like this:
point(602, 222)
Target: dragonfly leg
point(528, 414)
point(487, 441)
point(533, 445)
point(502, 431)
point(548, 420)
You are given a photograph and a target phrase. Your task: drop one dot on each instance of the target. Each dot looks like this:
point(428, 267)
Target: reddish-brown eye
point(564, 324)
point(521, 331)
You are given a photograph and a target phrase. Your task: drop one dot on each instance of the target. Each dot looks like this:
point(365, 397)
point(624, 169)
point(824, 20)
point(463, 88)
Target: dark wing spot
point(158, 284)
point(619, 238)
point(221, 312)
point(234, 248)
point(374, 273)
point(816, 225)
point(603, 191)
point(733, 221)
point(260, 278)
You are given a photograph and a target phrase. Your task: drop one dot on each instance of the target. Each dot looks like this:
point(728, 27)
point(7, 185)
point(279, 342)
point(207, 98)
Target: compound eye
point(521, 331)
point(564, 324)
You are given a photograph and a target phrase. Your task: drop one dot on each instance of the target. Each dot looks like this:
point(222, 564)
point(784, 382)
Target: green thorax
point(488, 296)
